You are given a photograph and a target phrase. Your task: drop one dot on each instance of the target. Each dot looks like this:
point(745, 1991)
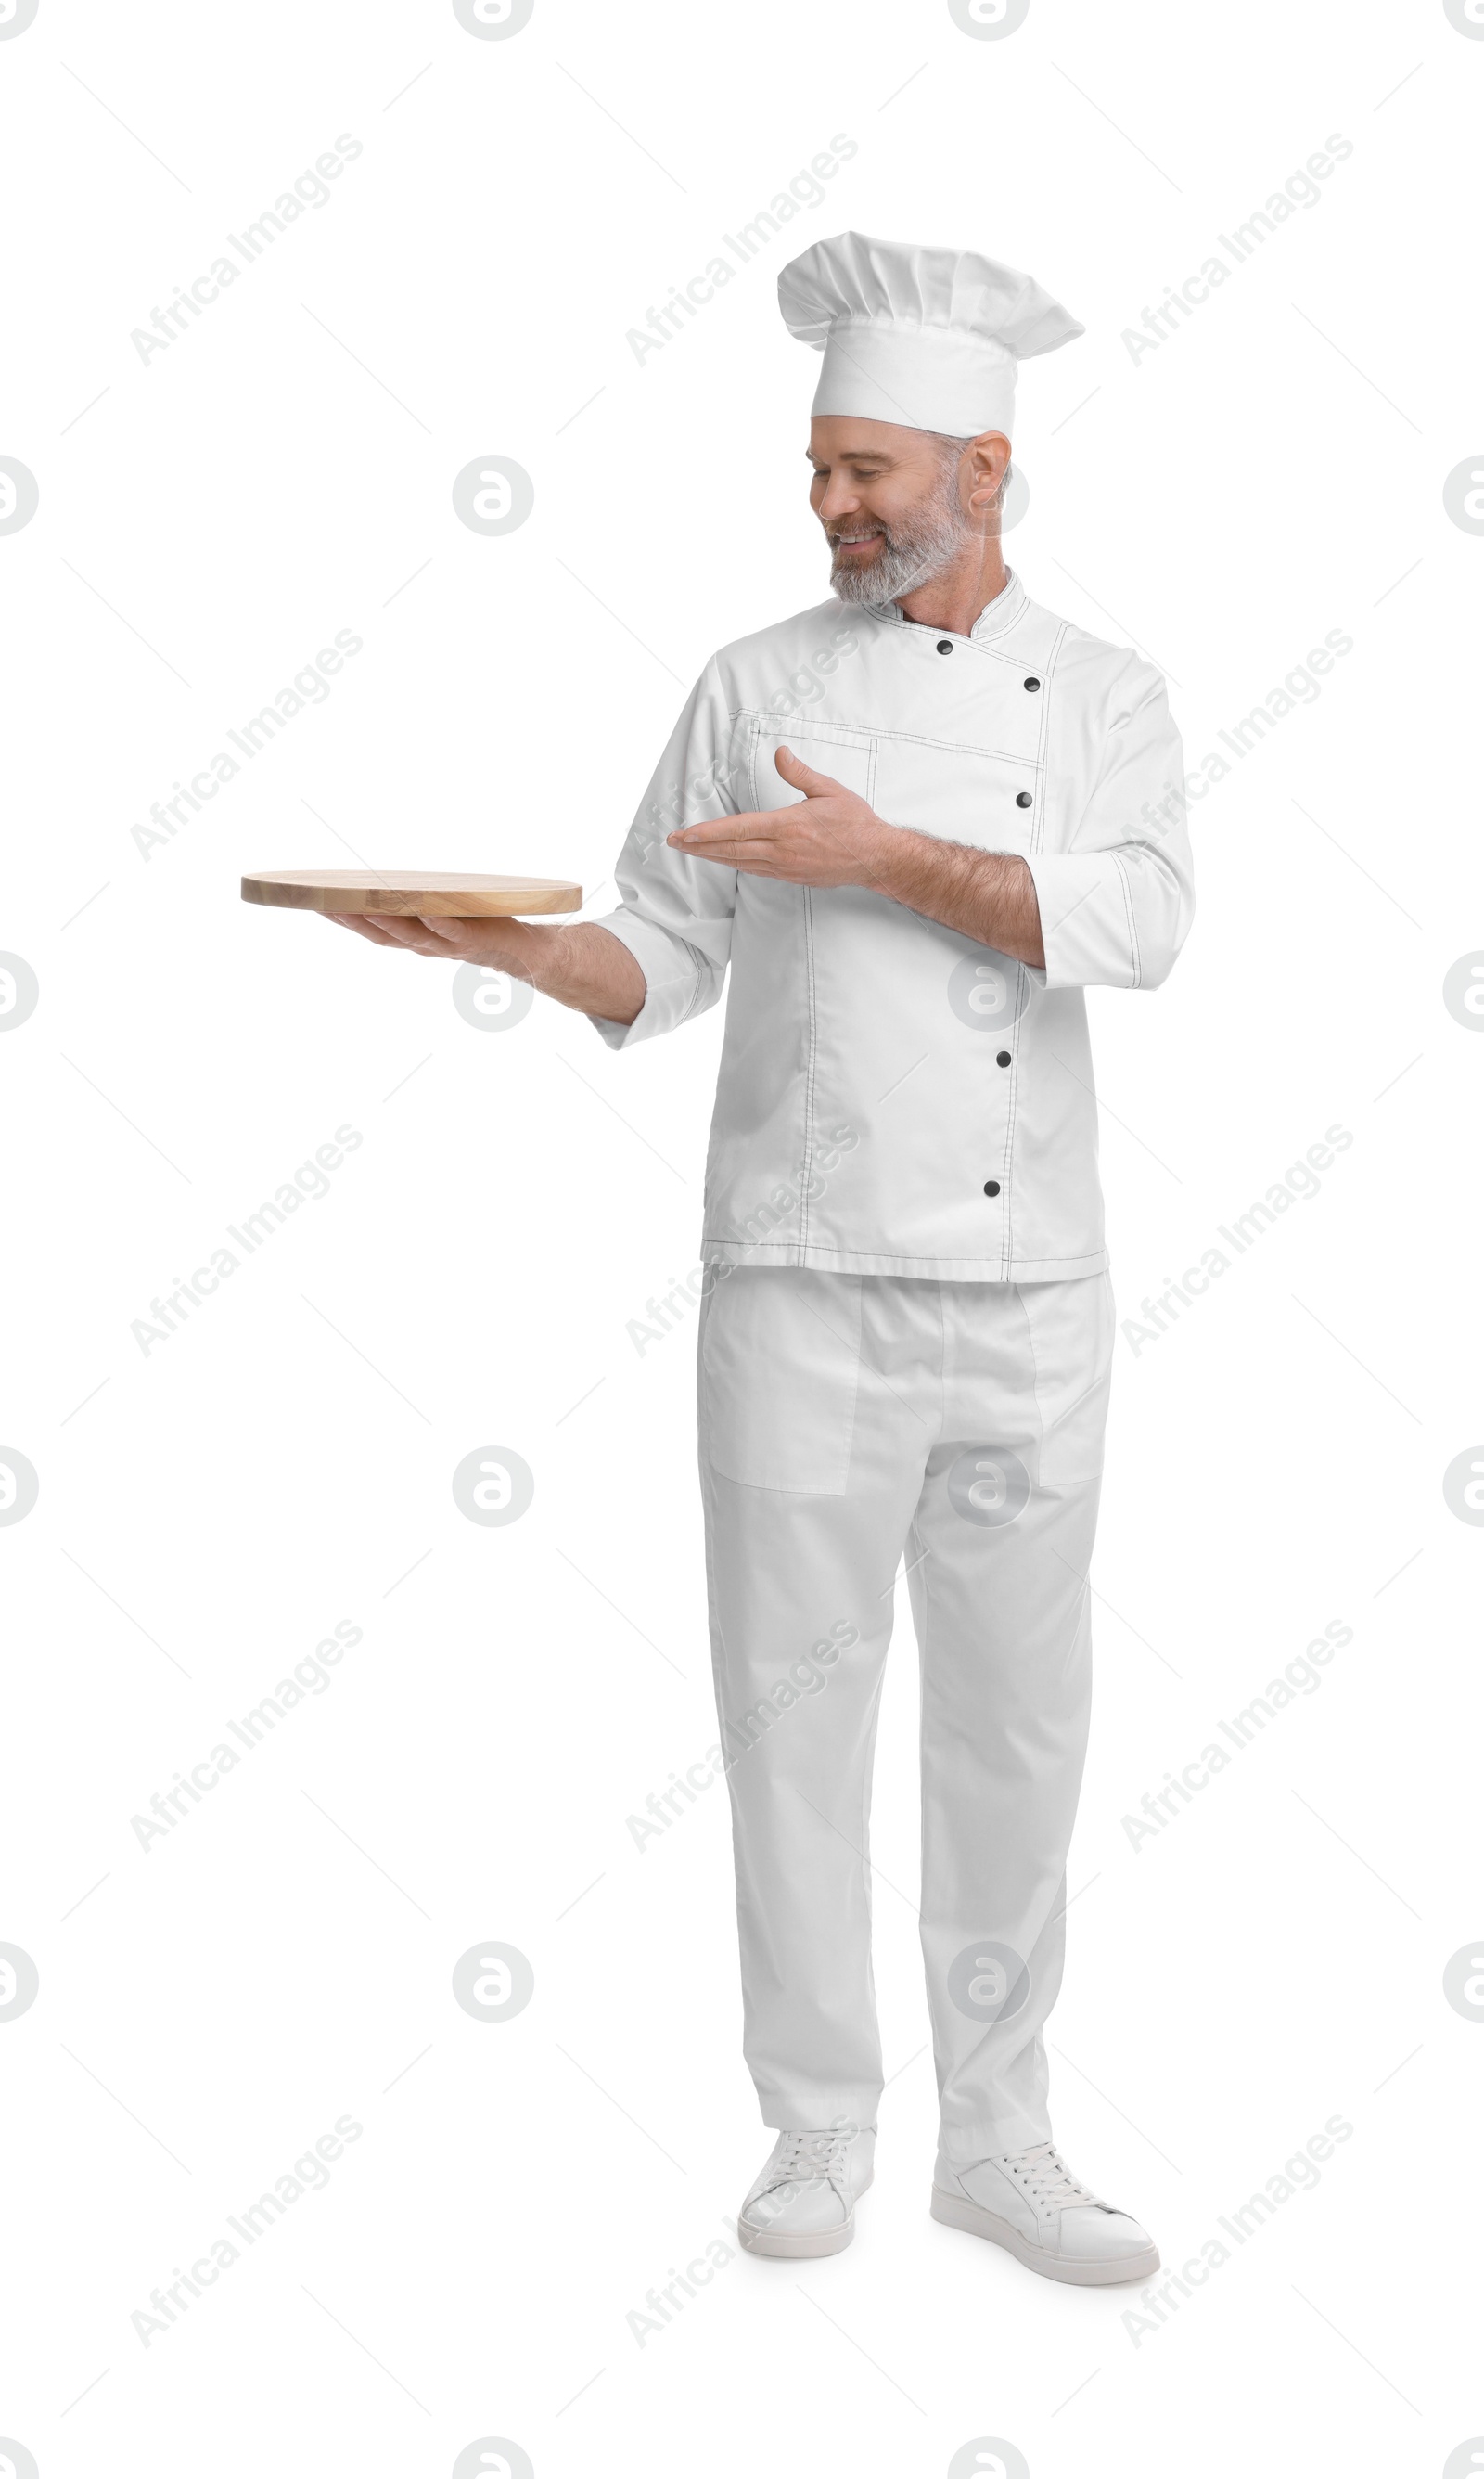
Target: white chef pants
point(847, 1421)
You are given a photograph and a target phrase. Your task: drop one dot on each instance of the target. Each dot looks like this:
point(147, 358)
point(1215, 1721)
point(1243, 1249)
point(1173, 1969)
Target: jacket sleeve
point(1117, 899)
point(676, 912)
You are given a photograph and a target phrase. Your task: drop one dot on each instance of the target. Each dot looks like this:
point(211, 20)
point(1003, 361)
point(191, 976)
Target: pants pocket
point(780, 1356)
point(1071, 1331)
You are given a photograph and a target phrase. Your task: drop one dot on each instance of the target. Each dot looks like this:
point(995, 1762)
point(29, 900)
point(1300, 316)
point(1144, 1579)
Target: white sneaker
point(1030, 2203)
point(803, 2201)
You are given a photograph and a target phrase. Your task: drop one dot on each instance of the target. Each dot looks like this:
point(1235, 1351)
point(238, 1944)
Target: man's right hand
point(584, 966)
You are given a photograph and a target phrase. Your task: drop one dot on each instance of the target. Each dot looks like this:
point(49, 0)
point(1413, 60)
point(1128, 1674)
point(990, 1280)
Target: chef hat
point(926, 337)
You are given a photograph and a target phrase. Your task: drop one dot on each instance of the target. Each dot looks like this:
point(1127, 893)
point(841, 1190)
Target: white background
point(209, 1509)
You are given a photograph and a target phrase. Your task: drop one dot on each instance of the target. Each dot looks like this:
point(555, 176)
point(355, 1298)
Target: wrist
point(538, 952)
point(886, 855)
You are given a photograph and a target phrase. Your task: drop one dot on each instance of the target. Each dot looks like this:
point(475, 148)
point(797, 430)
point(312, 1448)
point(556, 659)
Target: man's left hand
point(830, 839)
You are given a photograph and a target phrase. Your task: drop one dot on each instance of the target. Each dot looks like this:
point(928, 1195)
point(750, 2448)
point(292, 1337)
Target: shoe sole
point(957, 2212)
point(797, 2244)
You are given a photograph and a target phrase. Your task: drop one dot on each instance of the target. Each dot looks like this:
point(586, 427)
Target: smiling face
point(899, 506)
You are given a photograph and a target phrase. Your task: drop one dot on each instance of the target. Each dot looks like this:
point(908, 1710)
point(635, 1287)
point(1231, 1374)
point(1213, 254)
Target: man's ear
point(991, 455)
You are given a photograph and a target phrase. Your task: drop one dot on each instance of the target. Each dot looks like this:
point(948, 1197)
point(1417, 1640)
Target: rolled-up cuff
point(674, 973)
point(1087, 920)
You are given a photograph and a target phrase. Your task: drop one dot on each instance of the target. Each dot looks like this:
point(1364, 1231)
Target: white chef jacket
point(894, 1097)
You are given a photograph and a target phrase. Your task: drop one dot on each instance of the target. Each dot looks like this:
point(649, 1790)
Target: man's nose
point(840, 500)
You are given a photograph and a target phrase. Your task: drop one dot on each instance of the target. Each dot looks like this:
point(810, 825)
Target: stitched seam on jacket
point(695, 981)
point(962, 749)
point(873, 733)
point(1019, 616)
point(692, 1002)
point(808, 727)
point(1037, 844)
point(1039, 839)
point(1133, 925)
point(998, 653)
point(1007, 1250)
point(902, 1256)
point(809, 1073)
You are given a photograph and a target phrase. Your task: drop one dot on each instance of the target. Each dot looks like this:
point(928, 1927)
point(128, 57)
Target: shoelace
point(1045, 2177)
point(810, 2154)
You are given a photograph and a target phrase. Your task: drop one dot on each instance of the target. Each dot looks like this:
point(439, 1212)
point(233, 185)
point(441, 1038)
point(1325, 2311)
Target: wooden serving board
point(444, 894)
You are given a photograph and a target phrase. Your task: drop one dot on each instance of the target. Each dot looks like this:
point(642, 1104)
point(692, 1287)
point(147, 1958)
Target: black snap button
point(1033, 684)
point(946, 645)
point(992, 1187)
point(1002, 1059)
point(1022, 800)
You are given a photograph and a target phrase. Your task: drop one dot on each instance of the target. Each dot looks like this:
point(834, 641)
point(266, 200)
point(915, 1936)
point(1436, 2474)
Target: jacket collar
point(993, 621)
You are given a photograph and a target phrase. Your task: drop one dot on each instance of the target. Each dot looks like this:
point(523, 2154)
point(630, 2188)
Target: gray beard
point(907, 558)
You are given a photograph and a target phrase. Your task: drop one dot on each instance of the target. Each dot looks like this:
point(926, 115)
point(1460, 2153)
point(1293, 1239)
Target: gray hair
point(953, 448)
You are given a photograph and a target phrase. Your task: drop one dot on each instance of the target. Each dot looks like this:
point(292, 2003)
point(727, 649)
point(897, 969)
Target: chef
point(916, 822)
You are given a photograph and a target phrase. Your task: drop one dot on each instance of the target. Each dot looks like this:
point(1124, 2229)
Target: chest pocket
point(970, 796)
point(847, 756)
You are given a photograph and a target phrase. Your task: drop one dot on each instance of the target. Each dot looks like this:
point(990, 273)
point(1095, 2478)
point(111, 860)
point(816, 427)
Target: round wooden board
point(441, 893)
